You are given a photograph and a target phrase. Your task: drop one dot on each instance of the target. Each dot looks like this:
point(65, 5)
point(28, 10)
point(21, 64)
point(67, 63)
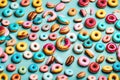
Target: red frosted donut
point(111, 47)
point(83, 2)
point(94, 67)
point(111, 19)
point(102, 3)
point(90, 22)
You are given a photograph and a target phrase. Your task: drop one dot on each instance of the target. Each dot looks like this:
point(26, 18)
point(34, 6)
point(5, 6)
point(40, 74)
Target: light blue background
point(75, 67)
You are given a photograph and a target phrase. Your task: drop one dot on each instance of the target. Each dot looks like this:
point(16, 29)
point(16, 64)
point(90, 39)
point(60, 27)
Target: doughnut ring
point(3, 76)
point(113, 76)
point(96, 35)
point(65, 46)
point(52, 13)
point(101, 13)
point(49, 49)
point(21, 46)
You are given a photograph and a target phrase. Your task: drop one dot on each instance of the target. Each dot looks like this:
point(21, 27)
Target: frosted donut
point(56, 68)
point(27, 54)
point(83, 61)
point(52, 13)
point(32, 36)
point(78, 26)
point(21, 46)
point(44, 68)
point(65, 46)
point(5, 57)
point(49, 49)
point(91, 77)
point(1, 52)
point(33, 77)
point(35, 29)
point(34, 46)
point(27, 24)
point(5, 22)
point(62, 77)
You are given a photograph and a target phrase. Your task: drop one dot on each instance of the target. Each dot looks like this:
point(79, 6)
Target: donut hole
point(71, 37)
point(33, 67)
point(33, 35)
point(102, 1)
point(25, 1)
point(101, 13)
point(44, 67)
point(78, 47)
point(96, 34)
point(118, 36)
point(53, 35)
point(111, 17)
point(16, 77)
point(39, 55)
point(94, 66)
point(113, 1)
point(84, 34)
point(11, 66)
point(57, 67)
point(84, 1)
point(3, 2)
point(114, 78)
point(118, 66)
point(17, 57)
point(3, 77)
point(73, 10)
point(8, 11)
point(10, 49)
point(111, 46)
point(20, 11)
point(37, 2)
point(91, 21)
point(23, 69)
point(88, 42)
point(100, 46)
point(84, 60)
point(48, 76)
point(62, 77)
point(21, 45)
point(49, 48)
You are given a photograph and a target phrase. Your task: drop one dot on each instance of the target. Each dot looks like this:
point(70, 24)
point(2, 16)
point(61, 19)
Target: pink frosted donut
point(106, 38)
point(78, 26)
point(4, 57)
point(53, 36)
point(62, 77)
point(1, 52)
point(102, 78)
point(44, 68)
point(6, 32)
point(11, 67)
point(25, 3)
point(49, 49)
point(27, 24)
point(35, 29)
point(111, 19)
point(83, 61)
point(56, 68)
point(33, 77)
point(32, 36)
point(118, 53)
point(5, 22)
point(91, 77)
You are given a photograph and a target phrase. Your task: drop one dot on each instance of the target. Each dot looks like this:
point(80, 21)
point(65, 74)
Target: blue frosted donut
point(13, 27)
point(2, 39)
point(87, 43)
point(117, 24)
point(1, 68)
point(101, 26)
point(39, 57)
point(72, 37)
point(69, 72)
point(116, 66)
point(37, 20)
point(43, 36)
point(7, 12)
point(16, 58)
point(20, 12)
point(116, 37)
point(33, 68)
point(99, 47)
point(47, 76)
point(14, 5)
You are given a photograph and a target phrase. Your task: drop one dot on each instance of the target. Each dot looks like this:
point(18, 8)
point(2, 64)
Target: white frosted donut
point(34, 47)
point(33, 77)
point(27, 54)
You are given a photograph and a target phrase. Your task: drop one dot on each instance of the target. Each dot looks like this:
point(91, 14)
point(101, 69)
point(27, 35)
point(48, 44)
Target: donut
point(69, 72)
point(13, 27)
point(72, 12)
point(20, 12)
point(62, 77)
point(111, 19)
point(45, 76)
point(37, 3)
point(25, 3)
point(22, 70)
point(95, 35)
point(78, 48)
point(83, 35)
point(52, 36)
point(100, 13)
point(78, 26)
point(32, 36)
point(111, 47)
point(102, 78)
point(39, 9)
point(56, 68)
point(83, 2)
point(16, 58)
point(113, 76)
point(33, 68)
point(27, 55)
point(16, 77)
point(27, 24)
point(101, 3)
point(21, 46)
point(44, 68)
point(90, 22)
point(2, 30)
point(83, 61)
point(11, 67)
point(33, 77)
point(107, 69)
point(14, 5)
point(94, 67)
point(34, 47)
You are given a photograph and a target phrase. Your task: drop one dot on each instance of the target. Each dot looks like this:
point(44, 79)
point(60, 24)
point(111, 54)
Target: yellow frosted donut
point(37, 3)
point(107, 69)
point(22, 34)
point(100, 13)
point(95, 35)
point(113, 3)
point(3, 3)
point(3, 76)
point(113, 76)
point(39, 9)
point(21, 46)
point(9, 50)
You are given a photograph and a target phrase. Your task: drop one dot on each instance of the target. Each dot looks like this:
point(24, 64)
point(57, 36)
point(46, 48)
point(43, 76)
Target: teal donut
point(20, 12)
point(99, 47)
point(13, 27)
point(101, 26)
point(47, 76)
point(7, 12)
point(37, 20)
point(116, 66)
point(33, 68)
point(117, 25)
point(2, 39)
point(39, 57)
point(116, 37)
point(87, 43)
point(82, 37)
point(1, 68)
point(16, 58)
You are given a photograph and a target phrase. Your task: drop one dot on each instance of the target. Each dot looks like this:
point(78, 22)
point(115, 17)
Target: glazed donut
point(37, 3)
point(27, 55)
point(62, 77)
point(111, 19)
point(11, 42)
point(83, 61)
point(78, 26)
point(25, 3)
point(47, 76)
point(90, 22)
point(21, 46)
point(94, 67)
point(102, 3)
point(56, 68)
point(113, 76)
point(111, 47)
point(3, 76)
point(72, 12)
point(16, 77)
point(9, 50)
point(34, 46)
point(83, 2)
point(49, 49)
point(100, 13)
point(52, 13)
point(64, 30)
point(95, 35)
point(63, 47)
point(107, 69)
point(113, 3)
